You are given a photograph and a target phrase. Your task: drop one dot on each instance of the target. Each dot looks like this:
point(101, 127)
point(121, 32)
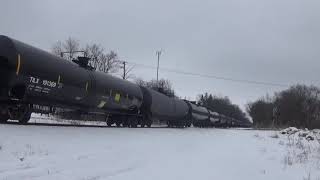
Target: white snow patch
point(38, 118)
point(82, 153)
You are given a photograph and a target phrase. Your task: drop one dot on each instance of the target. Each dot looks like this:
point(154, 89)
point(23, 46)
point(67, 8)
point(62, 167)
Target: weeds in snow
point(301, 150)
point(263, 171)
point(275, 135)
point(281, 143)
point(288, 161)
point(259, 137)
point(309, 177)
point(297, 152)
point(29, 151)
point(91, 178)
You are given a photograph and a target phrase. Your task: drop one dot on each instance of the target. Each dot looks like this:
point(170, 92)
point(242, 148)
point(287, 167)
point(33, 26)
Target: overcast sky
point(274, 41)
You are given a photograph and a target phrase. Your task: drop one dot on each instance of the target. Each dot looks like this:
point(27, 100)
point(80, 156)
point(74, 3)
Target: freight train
point(33, 80)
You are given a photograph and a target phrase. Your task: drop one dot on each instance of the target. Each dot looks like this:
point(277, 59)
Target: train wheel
point(147, 120)
point(133, 122)
point(185, 124)
point(182, 124)
point(4, 118)
point(4, 115)
point(26, 117)
point(109, 121)
point(125, 124)
point(149, 124)
point(109, 124)
point(118, 124)
point(142, 122)
point(22, 114)
point(125, 121)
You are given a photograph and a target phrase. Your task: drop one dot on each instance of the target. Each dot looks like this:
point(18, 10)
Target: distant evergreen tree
point(221, 105)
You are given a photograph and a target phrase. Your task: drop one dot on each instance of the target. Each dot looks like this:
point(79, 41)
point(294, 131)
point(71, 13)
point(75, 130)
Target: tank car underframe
point(128, 120)
point(14, 109)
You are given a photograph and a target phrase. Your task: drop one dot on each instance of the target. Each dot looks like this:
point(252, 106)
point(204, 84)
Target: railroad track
point(38, 121)
point(105, 126)
point(72, 125)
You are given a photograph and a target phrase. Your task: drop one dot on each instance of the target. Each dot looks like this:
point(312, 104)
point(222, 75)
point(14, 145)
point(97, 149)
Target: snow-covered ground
point(38, 118)
point(88, 153)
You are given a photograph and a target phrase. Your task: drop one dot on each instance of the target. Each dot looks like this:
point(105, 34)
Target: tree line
point(222, 105)
point(298, 106)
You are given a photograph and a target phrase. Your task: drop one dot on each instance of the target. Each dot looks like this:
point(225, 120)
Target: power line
point(212, 76)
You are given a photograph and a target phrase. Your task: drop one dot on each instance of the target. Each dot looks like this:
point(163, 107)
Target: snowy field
point(88, 153)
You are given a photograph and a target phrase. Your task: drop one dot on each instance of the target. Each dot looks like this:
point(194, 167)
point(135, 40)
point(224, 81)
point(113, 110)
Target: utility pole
point(158, 54)
point(124, 70)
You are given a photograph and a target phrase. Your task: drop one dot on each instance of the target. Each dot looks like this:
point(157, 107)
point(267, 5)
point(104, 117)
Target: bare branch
point(71, 45)
point(57, 48)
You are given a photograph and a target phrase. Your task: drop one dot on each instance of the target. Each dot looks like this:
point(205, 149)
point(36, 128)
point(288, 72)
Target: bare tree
point(57, 48)
point(141, 82)
point(297, 106)
point(100, 60)
point(71, 45)
point(95, 53)
point(163, 86)
point(261, 112)
point(110, 62)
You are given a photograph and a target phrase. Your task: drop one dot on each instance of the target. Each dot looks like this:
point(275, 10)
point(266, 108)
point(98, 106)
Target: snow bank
point(309, 135)
point(302, 149)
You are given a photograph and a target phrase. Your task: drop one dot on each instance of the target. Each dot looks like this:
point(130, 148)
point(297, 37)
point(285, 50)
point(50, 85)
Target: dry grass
point(310, 177)
point(301, 151)
point(275, 135)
